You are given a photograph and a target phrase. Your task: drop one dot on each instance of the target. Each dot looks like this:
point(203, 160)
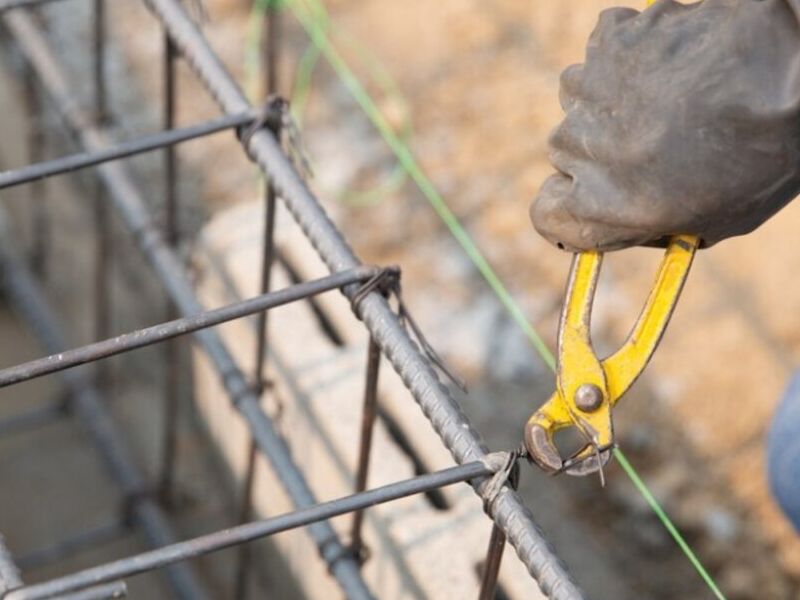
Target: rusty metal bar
point(436, 402)
point(88, 405)
point(270, 50)
point(368, 417)
point(134, 214)
point(247, 532)
point(11, 4)
point(33, 419)
point(82, 160)
point(99, 61)
point(491, 567)
point(72, 545)
point(106, 591)
point(148, 336)
point(102, 223)
point(511, 518)
point(171, 348)
point(40, 220)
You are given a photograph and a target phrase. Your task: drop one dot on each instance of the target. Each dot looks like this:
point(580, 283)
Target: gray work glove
point(683, 119)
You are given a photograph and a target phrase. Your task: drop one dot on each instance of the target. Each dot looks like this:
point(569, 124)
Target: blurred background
point(472, 88)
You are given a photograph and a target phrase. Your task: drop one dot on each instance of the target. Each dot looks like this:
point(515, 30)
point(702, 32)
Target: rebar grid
point(161, 250)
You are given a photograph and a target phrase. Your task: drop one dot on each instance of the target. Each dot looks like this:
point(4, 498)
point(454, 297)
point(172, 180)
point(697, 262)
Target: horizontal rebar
point(247, 532)
point(82, 160)
point(9, 4)
point(29, 303)
point(435, 400)
point(32, 419)
point(170, 270)
point(74, 544)
point(177, 327)
point(106, 591)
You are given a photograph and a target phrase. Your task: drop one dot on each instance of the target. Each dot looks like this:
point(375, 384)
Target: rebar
point(40, 219)
point(388, 335)
point(171, 234)
point(368, 416)
point(104, 245)
point(86, 403)
point(72, 545)
point(141, 145)
point(491, 567)
point(148, 336)
point(106, 591)
point(181, 551)
point(270, 85)
point(169, 269)
point(435, 400)
point(33, 418)
point(11, 4)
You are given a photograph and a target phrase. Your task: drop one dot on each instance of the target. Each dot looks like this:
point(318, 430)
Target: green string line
point(687, 550)
point(301, 89)
point(409, 163)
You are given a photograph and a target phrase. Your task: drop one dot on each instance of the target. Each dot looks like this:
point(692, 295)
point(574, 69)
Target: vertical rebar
point(40, 221)
point(491, 567)
point(365, 445)
point(102, 323)
point(497, 544)
point(172, 347)
point(170, 162)
point(90, 407)
point(99, 60)
point(270, 49)
point(173, 274)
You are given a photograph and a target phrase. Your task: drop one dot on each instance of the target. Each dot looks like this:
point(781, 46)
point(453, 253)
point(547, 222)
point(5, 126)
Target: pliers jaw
point(595, 426)
point(587, 389)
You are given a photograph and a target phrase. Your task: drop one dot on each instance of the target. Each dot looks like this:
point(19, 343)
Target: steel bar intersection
point(388, 336)
point(413, 367)
point(141, 338)
point(181, 551)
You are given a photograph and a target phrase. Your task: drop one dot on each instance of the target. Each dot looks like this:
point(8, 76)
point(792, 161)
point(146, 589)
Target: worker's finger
point(683, 119)
point(570, 87)
point(608, 20)
point(549, 213)
point(663, 8)
point(553, 217)
point(577, 137)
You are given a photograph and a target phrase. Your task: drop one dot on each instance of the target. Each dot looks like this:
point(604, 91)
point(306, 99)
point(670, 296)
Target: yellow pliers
point(587, 388)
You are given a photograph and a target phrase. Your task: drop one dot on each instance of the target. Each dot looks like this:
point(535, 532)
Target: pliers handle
point(588, 388)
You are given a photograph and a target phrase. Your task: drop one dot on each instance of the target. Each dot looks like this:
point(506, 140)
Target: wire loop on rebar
point(270, 114)
point(397, 336)
point(508, 473)
point(386, 281)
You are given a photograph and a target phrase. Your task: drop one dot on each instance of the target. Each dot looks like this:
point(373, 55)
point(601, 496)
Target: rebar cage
point(368, 288)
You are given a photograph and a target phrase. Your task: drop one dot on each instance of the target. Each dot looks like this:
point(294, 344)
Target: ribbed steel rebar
point(106, 591)
point(168, 267)
point(212, 542)
point(148, 336)
point(28, 301)
point(436, 402)
point(82, 160)
point(12, 4)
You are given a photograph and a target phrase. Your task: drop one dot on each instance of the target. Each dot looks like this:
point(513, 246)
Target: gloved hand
point(683, 119)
